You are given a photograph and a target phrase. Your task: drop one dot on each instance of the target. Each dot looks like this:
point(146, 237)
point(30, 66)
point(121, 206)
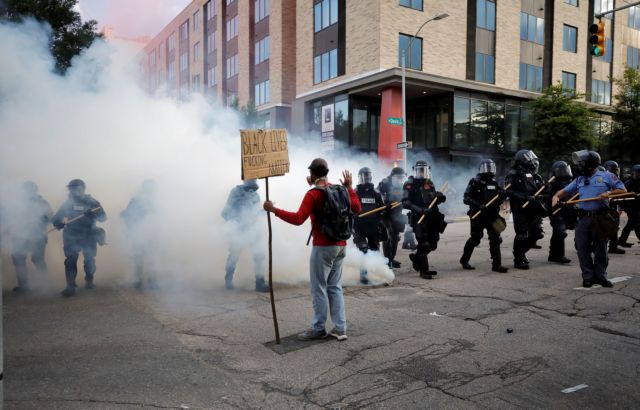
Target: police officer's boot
point(613, 245)
point(21, 276)
point(466, 255)
point(496, 258)
point(261, 285)
point(520, 261)
point(228, 279)
point(70, 290)
point(88, 282)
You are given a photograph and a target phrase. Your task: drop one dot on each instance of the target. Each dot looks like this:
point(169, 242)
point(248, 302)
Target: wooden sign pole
point(273, 302)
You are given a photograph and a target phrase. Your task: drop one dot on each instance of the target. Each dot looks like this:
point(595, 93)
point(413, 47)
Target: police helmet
point(487, 166)
point(422, 170)
point(526, 159)
point(590, 159)
point(561, 170)
point(612, 166)
point(75, 183)
point(365, 176)
point(397, 171)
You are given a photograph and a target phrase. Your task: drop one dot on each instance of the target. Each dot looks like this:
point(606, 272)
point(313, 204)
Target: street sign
point(394, 121)
point(405, 145)
point(264, 153)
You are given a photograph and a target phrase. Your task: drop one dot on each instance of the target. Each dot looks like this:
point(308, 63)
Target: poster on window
point(328, 141)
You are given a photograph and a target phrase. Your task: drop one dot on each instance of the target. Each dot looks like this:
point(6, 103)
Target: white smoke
point(96, 124)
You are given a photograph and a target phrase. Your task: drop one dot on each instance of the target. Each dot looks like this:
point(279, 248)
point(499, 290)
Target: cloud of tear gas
point(96, 124)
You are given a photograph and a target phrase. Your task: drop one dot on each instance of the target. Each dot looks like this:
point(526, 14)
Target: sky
point(132, 18)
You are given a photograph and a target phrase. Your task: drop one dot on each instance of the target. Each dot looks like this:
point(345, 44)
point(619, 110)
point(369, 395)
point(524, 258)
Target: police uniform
point(632, 209)
point(367, 229)
point(480, 191)
point(394, 220)
point(527, 222)
point(587, 239)
point(417, 196)
point(560, 222)
point(81, 235)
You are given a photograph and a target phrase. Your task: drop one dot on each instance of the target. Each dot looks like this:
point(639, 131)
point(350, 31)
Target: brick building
point(330, 69)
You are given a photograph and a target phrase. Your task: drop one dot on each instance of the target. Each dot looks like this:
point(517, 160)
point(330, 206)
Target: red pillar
point(390, 135)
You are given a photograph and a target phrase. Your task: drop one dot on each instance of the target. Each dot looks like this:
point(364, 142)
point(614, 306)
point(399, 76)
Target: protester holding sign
point(331, 209)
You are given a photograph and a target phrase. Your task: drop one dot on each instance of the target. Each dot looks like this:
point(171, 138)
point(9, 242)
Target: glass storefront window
point(526, 124)
point(461, 122)
point(341, 121)
point(512, 125)
point(478, 130)
point(360, 134)
point(495, 126)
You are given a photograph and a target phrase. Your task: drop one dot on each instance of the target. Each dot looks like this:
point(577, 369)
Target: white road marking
point(612, 280)
point(574, 388)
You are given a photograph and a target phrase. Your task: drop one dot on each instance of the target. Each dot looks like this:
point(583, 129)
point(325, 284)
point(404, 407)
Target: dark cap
point(319, 167)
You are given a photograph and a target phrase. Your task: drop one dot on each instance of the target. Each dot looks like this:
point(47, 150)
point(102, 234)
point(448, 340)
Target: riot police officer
point(25, 221)
point(524, 182)
point(78, 216)
point(241, 211)
point(418, 194)
point(632, 208)
point(367, 229)
point(614, 168)
point(595, 224)
point(480, 191)
point(394, 220)
point(563, 176)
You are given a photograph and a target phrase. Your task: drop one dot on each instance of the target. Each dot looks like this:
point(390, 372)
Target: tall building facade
point(331, 69)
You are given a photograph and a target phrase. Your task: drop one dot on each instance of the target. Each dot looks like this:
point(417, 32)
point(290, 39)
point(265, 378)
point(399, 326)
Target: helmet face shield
point(365, 177)
point(579, 157)
point(487, 167)
point(397, 180)
point(422, 171)
point(563, 172)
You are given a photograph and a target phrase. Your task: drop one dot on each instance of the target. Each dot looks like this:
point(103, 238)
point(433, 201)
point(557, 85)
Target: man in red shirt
point(327, 255)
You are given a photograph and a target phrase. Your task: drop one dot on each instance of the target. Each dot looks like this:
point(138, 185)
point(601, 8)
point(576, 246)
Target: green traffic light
point(595, 51)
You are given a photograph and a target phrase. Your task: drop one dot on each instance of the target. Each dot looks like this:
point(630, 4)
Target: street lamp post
point(438, 16)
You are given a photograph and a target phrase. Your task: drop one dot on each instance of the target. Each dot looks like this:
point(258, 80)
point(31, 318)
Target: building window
point(210, 9)
point(608, 51)
point(211, 77)
point(325, 13)
point(486, 14)
point(184, 91)
point(230, 1)
point(485, 68)
point(531, 28)
point(633, 55)
point(152, 58)
point(634, 17)
point(572, 2)
point(530, 77)
point(262, 93)
point(413, 58)
point(601, 92)
point(262, 50)
point(413, 4)
point(569, 38)
point(211, 42)
point(232, 98)
point(569, 82)
point(196, 52)
point(261, 9)
point(232, 28)
point(195, 83)
point(184, 31)
point(325, 66)
point(171, 42)
point(602, 6)
point(232, 66)
point(196, 20)
point(171, 71)
point(184, 62)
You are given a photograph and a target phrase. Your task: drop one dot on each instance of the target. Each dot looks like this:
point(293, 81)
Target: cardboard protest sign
point(265, 153)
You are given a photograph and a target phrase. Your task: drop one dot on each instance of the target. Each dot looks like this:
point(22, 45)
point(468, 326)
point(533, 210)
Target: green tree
point(69, 34)
point(249, 115)
point(626, 129)
point(562, 124)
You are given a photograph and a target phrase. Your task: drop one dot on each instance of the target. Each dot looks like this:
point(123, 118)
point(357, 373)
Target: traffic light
point(596, 40)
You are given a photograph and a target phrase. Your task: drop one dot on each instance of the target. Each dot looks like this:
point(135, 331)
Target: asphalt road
point(418, 344)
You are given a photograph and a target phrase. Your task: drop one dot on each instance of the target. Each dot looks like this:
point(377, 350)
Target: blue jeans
point(325, 269)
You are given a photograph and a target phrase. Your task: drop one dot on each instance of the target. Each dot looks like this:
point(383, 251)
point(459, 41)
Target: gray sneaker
point(312, 334)
point(339, 334)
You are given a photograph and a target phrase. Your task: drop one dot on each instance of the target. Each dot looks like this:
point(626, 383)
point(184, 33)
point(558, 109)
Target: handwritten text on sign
point(264, 153)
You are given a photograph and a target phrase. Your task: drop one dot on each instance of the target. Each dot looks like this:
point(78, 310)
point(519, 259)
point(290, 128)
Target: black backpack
point(336, 220)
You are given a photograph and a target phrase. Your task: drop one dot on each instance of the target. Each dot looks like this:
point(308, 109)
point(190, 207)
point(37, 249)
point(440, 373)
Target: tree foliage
point(626, 130)
point(562, 124)
point(249, 115)
point(69, 34)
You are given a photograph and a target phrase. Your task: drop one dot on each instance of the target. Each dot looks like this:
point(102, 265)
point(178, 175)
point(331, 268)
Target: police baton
point(539, 191)
point(492, 200)
point(382, 208)
point(74, 219)
point(597, 198)
point(433, 202)
point(560, 207)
